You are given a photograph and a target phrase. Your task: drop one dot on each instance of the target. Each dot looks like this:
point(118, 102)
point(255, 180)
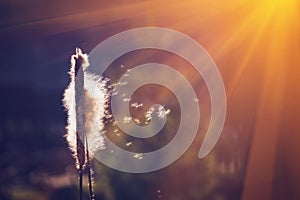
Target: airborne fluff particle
point(126, 99)
point(128, 144)
point(136, 120)
point(136, 105)
point(138, 156)
point(126, 119)
point(195, 99)
point(148, 114)
point(162, 112)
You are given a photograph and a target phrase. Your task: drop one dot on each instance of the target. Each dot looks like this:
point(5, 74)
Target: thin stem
point(80, 184)
point(90, 182)
point(89, 172)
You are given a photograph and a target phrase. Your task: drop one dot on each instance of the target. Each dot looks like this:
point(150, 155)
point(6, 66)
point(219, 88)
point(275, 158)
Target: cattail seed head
point(85, 100)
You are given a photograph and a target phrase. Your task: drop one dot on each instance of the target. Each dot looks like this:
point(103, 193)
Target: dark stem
point(81, 161)
point(80, 183)
point(90, 182)
point(89, 168)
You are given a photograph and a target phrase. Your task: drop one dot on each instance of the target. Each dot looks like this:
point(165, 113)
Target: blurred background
point(256, 46)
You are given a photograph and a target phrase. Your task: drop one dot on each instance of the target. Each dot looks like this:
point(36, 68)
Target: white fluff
point(92, 108)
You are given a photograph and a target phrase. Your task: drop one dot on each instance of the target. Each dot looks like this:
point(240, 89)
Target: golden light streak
point(261, 167)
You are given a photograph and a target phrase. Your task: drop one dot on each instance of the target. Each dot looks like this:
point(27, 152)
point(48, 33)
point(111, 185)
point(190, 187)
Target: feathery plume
point(85, 100)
